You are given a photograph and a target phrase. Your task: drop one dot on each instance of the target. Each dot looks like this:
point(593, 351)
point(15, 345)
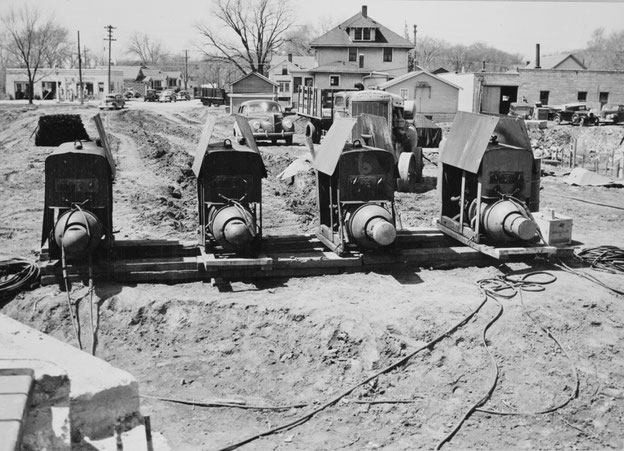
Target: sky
point(513, 26)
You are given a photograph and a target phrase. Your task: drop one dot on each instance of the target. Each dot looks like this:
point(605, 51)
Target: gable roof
point(339, 36)
point(129, 72)
point(300, 62)
point(410, 75)
point(554, 61)
point(260, 76)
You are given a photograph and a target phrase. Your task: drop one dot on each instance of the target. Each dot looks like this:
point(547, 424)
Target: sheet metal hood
point(470, 134)
point(204, 147)
point(328, 154)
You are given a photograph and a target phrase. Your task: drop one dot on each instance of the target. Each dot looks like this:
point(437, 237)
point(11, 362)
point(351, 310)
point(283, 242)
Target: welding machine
point(229, 188)
point(489, 181)
point(78, 208)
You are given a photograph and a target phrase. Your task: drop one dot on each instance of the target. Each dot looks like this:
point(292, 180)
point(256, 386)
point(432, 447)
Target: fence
point(605, 163)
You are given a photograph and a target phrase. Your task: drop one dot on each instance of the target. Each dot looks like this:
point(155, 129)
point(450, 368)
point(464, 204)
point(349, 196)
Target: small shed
point(249, 87)
point(432, 95)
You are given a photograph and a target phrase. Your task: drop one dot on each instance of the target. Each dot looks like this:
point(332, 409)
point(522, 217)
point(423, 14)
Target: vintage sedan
point(575, 113)
point(610, 114)
point(113, 101)
point(168, 95)
point(267, 121)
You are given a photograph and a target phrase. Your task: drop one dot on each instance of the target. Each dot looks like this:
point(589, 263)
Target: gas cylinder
point(78, 232)
point(232, 226)
point(370, 226)
point(504, 221)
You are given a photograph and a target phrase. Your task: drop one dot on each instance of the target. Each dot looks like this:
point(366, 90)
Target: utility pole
point(185, 69)
point(110, 29)
point(81, 94)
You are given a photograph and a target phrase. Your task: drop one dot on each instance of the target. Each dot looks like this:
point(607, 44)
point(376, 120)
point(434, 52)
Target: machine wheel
point(408, 172)
point(576, 119)
point(557, 119)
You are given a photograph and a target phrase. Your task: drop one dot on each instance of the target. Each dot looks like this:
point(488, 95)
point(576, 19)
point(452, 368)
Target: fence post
point(574, 149)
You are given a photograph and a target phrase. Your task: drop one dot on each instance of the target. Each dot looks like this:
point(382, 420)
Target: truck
point(322, 106)
point(210, 95)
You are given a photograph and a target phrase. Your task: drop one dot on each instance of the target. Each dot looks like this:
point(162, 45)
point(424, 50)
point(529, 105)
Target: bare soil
point(281, 342)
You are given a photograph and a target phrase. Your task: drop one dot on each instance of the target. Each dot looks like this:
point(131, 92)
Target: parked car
point(151, 95)
point(574, 113)
point(521, 109)
point(610, 114)
point(184, 95)
point(168, 95)
point(114, 101)
point(267, 121)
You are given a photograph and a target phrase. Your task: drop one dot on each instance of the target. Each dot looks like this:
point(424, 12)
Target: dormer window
point(363, 34)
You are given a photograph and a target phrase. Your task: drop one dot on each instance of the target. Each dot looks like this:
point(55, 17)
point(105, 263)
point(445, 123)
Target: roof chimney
point(415, 36)
point(290, 57)
point(537, 56)
point(364, 10)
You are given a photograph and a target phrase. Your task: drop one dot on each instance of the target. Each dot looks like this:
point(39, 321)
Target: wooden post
point(574, 149)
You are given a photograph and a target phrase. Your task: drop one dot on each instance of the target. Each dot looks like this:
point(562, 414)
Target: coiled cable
point(17, 274)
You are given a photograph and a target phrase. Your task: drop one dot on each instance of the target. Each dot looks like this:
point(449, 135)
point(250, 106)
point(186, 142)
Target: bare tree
point(31, 40)
point(147, 50)
point(250, 32)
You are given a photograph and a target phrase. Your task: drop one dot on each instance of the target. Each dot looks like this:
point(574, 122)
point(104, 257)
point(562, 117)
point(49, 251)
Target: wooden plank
point(239, 262)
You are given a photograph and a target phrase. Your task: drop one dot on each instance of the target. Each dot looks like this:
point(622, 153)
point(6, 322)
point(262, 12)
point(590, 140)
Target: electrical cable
point(302, 419)
point(223, 404)
point(604, 258)
point(16, 274)
point(507, 287)
point(75, 323)
point(617, 207)
point(591, 278)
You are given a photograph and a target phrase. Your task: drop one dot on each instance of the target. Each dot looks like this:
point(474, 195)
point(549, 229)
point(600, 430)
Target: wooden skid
point(169, 261)
point(505, 253)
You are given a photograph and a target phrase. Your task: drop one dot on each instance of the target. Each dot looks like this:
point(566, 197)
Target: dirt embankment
point(306, 340)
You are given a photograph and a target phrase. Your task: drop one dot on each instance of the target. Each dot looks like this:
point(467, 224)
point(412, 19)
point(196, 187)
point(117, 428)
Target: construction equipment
point(229, 187)
point(78, 210)
point(323, 107)
point(489, 183)
point(355, 186)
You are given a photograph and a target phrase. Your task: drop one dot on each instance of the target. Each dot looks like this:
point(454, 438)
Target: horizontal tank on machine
point(489, 183)
point(229, 189)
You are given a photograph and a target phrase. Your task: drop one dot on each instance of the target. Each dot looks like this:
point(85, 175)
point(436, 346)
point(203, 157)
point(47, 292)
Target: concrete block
point(100, 395)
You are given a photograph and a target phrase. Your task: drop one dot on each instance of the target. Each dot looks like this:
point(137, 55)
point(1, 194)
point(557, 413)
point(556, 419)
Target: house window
point(405, 93)
point(101, 87)
point(284, 86)
point(362, 34)
point(309, 81)
point(284, 70)
point(334, 80)
point(582, 96)
point(367, 34)
point(544, 97)
point(387, 55)
point(296, 83)
point(352, 54)
point(357, 34)
point(603, 98)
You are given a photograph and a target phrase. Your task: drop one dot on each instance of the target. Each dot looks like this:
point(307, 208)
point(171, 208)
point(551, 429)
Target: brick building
point(490, 92)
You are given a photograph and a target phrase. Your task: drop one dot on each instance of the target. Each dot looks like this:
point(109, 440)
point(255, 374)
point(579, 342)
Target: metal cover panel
point(327, 156)
point(467, 141)
point(204, 141)
point(243, 126)
point(512, 131)
point(104, 139)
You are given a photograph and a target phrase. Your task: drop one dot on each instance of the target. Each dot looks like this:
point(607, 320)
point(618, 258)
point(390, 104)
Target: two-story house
point(357, 48)
point(289, 72)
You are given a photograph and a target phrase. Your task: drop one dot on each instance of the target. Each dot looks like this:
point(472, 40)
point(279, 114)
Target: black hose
point(16, 275)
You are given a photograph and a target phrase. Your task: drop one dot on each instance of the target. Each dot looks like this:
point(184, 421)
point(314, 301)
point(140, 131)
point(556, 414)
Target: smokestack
point(290, 57)
point(537, 56)
point(415, 36)
point(364, 10)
